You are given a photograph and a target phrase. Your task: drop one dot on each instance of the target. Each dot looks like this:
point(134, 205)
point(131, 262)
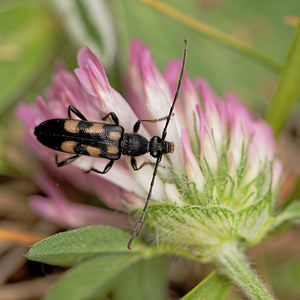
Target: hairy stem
point(233, 263)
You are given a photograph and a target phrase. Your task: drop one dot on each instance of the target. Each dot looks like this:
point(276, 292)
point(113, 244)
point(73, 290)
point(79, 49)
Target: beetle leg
point(137, 124)
point(76, 112)
point(106, 169)
point(113, 116)
point(145, 163)
point(66, 161)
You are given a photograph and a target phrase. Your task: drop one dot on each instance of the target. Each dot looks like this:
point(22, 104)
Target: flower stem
point(233, 263)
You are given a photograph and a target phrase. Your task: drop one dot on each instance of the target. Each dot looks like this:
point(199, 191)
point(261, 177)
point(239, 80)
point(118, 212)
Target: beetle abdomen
point(81, 137)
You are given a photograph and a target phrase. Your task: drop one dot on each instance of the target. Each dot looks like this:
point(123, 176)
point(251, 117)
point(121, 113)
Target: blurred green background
point(245, 59)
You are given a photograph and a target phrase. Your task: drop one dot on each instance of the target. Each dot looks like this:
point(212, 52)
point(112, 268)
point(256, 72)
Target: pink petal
point(214, 113)
point(208, 148)
point(76, 215)
point(110, 193)
point(261, 148)
point(191, 165)
point(171, 74)
point(43, 109)
point(92, 76)
point(237, 112)
point(191, 100)
point(153, 98)
point(27, 114)
point(277, 173)
point(60, 210)
point(85, 81)
point(119, 175)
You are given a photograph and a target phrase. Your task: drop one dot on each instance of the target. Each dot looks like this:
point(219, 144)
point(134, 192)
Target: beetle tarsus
point(66, 161)
point(106, 169)
point(145, 163)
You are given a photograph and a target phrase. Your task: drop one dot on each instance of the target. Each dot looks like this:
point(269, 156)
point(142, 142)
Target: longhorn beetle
point(82, 137)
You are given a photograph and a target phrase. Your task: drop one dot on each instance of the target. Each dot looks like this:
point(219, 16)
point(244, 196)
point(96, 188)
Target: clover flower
point(214, 196)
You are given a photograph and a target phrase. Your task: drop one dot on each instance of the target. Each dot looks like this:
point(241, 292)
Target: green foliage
point(105, 265)
point(259, 25)
point(146, 279)
point(290, 213)
point(286, 286)
point(27, 40)
point(71, 247)
point(288, 90)
point(92, 279)
point(213, 287)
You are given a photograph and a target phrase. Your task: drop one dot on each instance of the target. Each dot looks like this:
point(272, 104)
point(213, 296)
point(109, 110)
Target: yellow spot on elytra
point(68, 146)
point(71, 126)
point(93, 151)
point(96, 128)
point(114, 135)
point(112, 149)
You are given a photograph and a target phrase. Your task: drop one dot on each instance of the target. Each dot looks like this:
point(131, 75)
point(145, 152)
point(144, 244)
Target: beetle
point(106, 140)
point(82, 137)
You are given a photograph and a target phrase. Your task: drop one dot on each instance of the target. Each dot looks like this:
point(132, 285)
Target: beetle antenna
point(164, 134)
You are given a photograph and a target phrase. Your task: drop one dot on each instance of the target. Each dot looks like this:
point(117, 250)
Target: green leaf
point(213, 287)
point(292, 212)
point(27, 39)
point(286, 286)
point(288, 89)
point(71, 247)
point(145, 279)
point(92, 279)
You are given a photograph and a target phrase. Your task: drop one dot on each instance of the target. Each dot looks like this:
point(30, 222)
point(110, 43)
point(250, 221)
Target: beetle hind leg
point(105, 170)
point(66, 161)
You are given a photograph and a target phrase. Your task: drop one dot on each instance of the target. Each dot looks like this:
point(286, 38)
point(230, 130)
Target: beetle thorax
point(134, 144)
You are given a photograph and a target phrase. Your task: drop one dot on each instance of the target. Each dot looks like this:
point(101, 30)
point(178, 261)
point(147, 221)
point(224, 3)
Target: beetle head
point(158, 146)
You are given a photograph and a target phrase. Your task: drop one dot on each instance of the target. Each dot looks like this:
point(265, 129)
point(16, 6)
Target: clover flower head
point(218, 187)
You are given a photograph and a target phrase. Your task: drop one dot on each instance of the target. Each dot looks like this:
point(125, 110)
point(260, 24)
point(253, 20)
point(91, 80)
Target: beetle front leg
point(145, 163)
point(66, 161)
point(137, 124)
point(106, 169)
point(76, 112)
point(113, 116)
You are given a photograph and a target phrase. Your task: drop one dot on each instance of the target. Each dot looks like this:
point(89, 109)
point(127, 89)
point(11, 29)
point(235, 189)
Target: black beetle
point(109, 141)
